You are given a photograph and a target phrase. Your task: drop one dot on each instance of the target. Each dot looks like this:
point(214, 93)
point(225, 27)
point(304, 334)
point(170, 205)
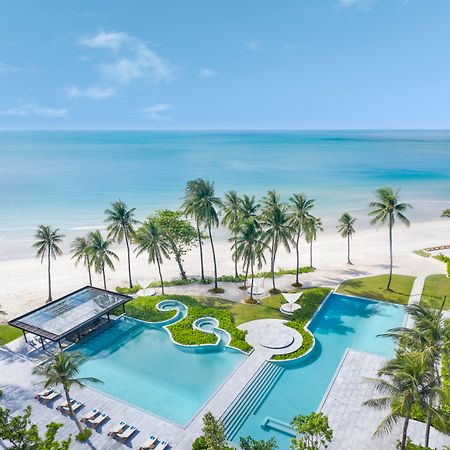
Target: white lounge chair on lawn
point(118, 428)
point(98, 420)
point(122, 437)
point(44, 393)
point(89, 415)
point(162, 445)
point(149, 443)
point(48, 398)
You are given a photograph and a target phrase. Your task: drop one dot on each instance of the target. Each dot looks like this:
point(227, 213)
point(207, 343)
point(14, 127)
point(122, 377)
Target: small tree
point(446, 213)
point(313, 432)
point(248, 443)
point(23, 434)
point(214, 433)
point(181, 235)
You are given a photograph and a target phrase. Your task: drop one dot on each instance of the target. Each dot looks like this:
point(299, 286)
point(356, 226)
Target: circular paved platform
point(273, 335)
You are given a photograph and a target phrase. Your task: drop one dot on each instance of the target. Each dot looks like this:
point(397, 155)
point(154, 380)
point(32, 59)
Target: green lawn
point(375, 287)
point(8, 334)
point(436, 287)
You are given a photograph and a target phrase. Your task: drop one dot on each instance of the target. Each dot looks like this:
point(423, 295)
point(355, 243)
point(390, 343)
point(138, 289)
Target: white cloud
point(255, 46)
point(128, 58)
point(206, 72)
point(155, 112)
point(31, 109)
point(360, 4)
point(94, 92)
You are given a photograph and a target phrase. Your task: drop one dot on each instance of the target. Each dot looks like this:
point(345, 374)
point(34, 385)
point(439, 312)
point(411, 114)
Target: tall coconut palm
point(387, 209)
point(300, 207)
point(249, 209)
point(81, 252)
point(346, 229)
point(63, 369)
point(149, 238)
point(249, 245)
point(312, 226)
point(402, 383)
point(277, 228)
point(428, 335)
point(189, 209)
point(121, 227)
point(204, 205)
point(101, 255)
point(47, 240)
point(446, 213)
point(231, 218)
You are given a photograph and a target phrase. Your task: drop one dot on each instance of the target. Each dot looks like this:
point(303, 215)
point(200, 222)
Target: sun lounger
point(65, 404)
point(48, 398)
point(98, 420)
point(122, 437)
point(162, 445)
point(75, 407)
point(89, 415)
point(149, 443)
point(118, 428)
point(44, 393)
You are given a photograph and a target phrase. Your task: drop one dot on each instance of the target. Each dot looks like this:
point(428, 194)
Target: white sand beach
point(24, 281)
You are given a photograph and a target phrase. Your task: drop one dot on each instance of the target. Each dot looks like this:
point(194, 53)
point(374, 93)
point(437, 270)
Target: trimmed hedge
point(310, 302)
point(127, 290)
point(144, 308)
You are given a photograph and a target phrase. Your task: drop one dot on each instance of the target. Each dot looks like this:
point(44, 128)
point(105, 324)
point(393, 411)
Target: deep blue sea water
point(67, 178)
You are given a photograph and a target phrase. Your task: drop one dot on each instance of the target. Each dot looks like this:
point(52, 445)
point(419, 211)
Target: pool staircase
point(250, 398)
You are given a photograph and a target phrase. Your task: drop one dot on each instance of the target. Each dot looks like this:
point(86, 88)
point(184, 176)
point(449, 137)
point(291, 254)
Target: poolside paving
point(354, 424)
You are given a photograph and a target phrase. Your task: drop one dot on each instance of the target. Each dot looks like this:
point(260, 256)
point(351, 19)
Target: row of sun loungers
point(94, 418)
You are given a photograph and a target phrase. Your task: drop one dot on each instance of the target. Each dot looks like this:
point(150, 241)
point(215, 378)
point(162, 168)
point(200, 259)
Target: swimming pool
point(140, 365)
point(297, 387)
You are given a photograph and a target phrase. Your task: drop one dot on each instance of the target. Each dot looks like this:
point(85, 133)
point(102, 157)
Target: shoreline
point(24, 282)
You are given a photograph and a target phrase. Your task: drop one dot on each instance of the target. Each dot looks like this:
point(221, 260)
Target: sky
point(230, 64)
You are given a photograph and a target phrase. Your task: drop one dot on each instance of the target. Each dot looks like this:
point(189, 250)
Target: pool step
point(250, 398)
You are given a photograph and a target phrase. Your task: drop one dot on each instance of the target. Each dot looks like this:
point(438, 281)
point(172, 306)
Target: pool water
point(139, 364)
point(343, 322)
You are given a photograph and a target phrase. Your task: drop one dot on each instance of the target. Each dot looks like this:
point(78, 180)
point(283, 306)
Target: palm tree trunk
point(71, 411)
point(214, 256)
point(405, 433)
point(129, 260)
point(200, 245)
point(104, 277)
point(310, 254)
point(236, 274)
point(88, 265)
point(427, 430)
point(160, 276)
point(253, 280)
point(49, 277)
point(297, 251)
point(348, 249)
point(390, 252)
point(272, 262)
point(246, 273)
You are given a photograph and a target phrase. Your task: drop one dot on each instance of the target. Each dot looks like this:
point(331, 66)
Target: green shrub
point(144, 308)
point(411, 446)
point(308, 341)
point(127, 290)
point(442, 258)
point(84, 435)
point(200, 444)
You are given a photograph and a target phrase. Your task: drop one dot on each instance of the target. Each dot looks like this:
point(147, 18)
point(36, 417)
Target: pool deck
point(354, 424)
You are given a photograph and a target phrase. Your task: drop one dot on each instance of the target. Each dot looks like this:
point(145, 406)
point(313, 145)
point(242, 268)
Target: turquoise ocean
point(67, 178)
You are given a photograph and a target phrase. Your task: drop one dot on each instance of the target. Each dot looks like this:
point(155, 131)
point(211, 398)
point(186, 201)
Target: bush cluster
point(127, 290)
point(144, 308)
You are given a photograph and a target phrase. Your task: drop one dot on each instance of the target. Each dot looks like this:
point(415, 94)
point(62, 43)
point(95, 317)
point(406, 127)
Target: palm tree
point(47, 245)
point(121, 227)
point(402, 382)
point(231, 209)
point(300, 212)
point(446, 213)
point(429, 336)
point(249, 209)
point(188, 206)
point(63, 369)
point(386, 209)
point(312, 226)
point(203, 206)
point(81, 252)
point(101, 255)
point(346, 229)
point(149, 238)
point(277, 228)
point(249, 245)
